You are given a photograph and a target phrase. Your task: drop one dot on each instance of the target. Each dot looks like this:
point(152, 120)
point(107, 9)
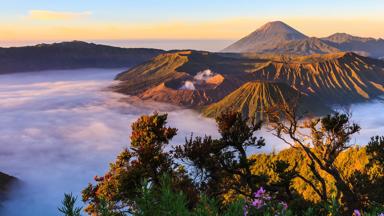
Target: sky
point(23, 21)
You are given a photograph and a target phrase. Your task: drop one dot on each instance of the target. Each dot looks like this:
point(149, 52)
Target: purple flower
point(381, 214)
point(266, 197)
point(258, 203)
point(356, 212)
point(245, 210)
point(285, 205)
point(259, 193)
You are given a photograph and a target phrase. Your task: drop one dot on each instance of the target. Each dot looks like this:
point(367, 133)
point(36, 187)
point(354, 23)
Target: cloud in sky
point(57, 15)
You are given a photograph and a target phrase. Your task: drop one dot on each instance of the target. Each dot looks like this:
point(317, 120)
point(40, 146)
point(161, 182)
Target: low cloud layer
point(59, 129)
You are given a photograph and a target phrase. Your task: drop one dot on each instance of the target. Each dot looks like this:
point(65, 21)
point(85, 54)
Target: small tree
point(145, 160)
point(68, 207)
point(375, 148)
point(321, 140)
point(162, 200)
point(222, 165)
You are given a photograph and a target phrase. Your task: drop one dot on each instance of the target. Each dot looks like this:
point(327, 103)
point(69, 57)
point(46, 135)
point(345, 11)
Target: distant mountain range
point(278, 37)
point(213, 82)
point(71, 55)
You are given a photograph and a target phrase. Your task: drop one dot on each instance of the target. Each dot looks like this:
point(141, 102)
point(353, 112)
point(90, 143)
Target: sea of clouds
point(58, 129)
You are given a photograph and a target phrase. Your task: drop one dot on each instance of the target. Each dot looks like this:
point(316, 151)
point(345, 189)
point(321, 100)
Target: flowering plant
point(263, 203)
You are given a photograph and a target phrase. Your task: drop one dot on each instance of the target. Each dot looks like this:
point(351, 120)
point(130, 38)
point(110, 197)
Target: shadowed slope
point(307, 46)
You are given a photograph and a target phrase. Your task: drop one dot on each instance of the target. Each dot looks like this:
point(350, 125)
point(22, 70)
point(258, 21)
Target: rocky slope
point(334, 78)
point(269, 36)
point(307, 46)
point(253, 99)
point(218, 81)
point(71, 55)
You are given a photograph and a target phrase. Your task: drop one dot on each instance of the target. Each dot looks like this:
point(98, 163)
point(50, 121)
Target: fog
point(58, 129)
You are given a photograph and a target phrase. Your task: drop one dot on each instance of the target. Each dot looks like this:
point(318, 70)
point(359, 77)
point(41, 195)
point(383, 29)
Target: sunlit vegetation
point(320, 173)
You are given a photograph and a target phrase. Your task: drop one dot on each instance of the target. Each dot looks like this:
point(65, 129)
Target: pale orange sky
point(70, 26)
point(90, 20)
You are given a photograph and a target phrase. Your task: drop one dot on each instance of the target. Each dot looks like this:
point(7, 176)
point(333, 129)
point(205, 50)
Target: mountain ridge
point(253, 98)
point(277, 41)
point(328, 79)
point(268, 36)
point(71, 55)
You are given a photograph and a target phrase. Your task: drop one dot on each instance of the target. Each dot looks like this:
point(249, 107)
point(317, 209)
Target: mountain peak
point(279, 29)
point(267, 37)
point(275, 23)
point(277, 26)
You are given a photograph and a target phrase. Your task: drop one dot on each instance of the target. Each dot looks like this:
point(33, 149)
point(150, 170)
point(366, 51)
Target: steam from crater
point(199, 78)
point(188, 85)
point(204, 75)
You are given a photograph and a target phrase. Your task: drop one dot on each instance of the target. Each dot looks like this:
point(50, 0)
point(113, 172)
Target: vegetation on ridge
point(320, 174)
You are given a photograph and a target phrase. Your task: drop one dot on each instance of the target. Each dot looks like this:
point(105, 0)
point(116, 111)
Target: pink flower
point(258, 203)
point(260, 192)
point(356, 212)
